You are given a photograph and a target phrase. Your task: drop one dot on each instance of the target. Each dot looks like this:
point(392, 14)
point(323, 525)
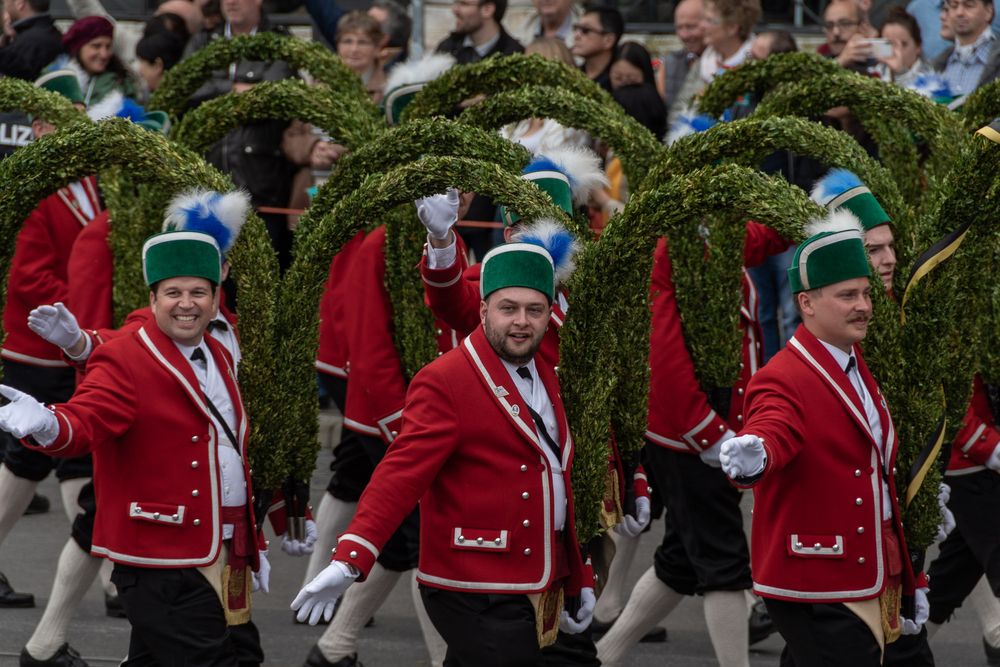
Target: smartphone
point(881, 48)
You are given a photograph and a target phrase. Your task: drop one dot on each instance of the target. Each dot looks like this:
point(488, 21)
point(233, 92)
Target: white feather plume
point(839, 220)
point(108, 107)
point(582, 166)
point(561, 244)
point(419, 70)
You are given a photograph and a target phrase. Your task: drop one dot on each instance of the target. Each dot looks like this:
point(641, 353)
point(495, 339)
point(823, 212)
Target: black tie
point(525, 373)
point(851, 364)
point(217, 324)
point(198, 355)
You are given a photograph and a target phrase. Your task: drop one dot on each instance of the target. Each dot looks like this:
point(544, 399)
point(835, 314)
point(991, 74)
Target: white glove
point(743, 456)
point(584, 616)
point(921, 612)
point(993, 463)
point(947, 518)
point(300, 548)
point(438, 213)
point(710, 456)
point(632, 526)
point(25, 416)
point(55, 324)
point(262, 577)
point(319, 597)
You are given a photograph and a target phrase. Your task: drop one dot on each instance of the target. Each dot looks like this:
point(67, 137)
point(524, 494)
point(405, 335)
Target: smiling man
point(485, 448)
point(818, 447)
point(173, 489)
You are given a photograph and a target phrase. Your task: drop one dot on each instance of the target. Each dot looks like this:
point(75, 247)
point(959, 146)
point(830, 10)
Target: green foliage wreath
point(981, 107)
point(182, 80)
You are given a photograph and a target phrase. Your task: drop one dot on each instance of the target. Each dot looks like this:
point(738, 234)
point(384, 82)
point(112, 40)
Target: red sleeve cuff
point(440, 278)
point(707, 432)
point(389, 426)
point(356, 551)
point(640, 483)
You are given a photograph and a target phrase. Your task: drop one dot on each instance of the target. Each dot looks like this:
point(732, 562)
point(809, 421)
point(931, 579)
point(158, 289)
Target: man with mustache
point(817, 447)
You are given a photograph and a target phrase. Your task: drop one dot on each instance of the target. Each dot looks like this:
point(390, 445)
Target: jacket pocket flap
point(480, 539)
point(816, 546)
point(171, 515)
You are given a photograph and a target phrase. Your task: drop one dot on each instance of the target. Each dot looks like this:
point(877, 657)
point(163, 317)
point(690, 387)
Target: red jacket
point(38, 272)
point(978, 437)
point(680, 417)
point(332, 355)
point(468, 451)
point(817, 522)
point(453, 295)
point(90, 274)
point(156, 466)
point(377, 388)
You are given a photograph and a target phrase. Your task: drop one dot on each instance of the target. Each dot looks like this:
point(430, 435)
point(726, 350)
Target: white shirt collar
point(842, 358)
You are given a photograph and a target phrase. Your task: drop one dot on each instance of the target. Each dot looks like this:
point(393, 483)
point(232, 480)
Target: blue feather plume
point(560, 243)
point(221, 216)
point(835, 183)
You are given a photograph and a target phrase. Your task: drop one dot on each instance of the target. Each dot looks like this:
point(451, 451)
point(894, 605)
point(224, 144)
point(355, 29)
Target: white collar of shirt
point(229, 30)
point(842, 358)
point(712, 64)
point(80, 194)
point(483, 48)
point(964, 53)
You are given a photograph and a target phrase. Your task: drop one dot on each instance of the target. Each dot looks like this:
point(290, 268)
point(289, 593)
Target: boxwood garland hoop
point(496, 75)
point(35, 171)
point(18, 95)
point(981, 107)
point(632, 142)
point(346, 118)
point(182, 80)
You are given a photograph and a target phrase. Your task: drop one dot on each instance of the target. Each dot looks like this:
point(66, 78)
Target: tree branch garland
point(348, 119)
point(184, 79)
point(442, 96)
point(981, 106)
point(632, 142)
point(18, 95)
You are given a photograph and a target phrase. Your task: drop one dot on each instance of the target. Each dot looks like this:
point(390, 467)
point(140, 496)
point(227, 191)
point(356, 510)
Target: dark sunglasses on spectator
point(587, 30)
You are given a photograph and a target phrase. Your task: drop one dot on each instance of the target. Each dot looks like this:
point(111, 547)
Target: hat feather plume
point(216, 214)
point(840, 220)
point(581, 166)
point(419, 70)
point(689, 122)
point(558, 241)
point(835, 183)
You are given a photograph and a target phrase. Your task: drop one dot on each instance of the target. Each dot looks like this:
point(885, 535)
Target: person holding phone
point(905, 61)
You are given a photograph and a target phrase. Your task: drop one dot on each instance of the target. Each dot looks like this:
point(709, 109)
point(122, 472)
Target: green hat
point(173, 254)
point(409, 78)
point(517, 265)
point(63, 82)
point(568, 175)
point(841, 188)
point(833, 253)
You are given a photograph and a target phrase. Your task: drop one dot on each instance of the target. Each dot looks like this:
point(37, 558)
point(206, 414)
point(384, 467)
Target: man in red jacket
point(818, 446)
point(179, 528)
point(485, 448)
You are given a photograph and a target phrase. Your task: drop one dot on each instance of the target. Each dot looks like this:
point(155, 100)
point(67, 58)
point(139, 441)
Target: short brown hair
point(742, 13)
point(551, 48)
point(358, 21)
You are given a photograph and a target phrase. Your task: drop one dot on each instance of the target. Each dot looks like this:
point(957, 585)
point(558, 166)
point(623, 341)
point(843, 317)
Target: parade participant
point(832, 577)
point(186, 533)
point(38, 275)
point(493, 589)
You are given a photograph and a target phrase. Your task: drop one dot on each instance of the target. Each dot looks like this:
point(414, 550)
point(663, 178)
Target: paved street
point(28, 558)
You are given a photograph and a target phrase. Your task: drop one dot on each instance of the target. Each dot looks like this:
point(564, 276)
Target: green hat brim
point(397, 99)
point(517, 265)
point(554, 184)
point(176, 254)
point(62, 82)
point(862, 203)
point(828, 258)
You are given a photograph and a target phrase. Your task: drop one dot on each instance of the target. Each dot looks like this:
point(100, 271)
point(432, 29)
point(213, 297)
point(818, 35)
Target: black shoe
point(657, 635)
point(10, 598)
point(761, 625)
point(66, 656)
point(992, 653)
point(113, 606)
point(317, 659)
point(39, 505)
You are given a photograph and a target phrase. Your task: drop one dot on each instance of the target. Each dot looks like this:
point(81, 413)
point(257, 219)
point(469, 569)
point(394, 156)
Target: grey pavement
point(28, 557)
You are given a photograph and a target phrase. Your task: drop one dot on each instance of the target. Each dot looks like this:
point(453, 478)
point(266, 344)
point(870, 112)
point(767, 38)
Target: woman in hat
point(88, 52)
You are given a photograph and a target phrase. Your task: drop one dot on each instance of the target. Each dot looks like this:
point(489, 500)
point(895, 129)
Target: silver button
point(798, 545)
point(526, 523)
point(249, 74)
point(156, 515)
point(395, 433)
point(176, 517)
point(857, 473)
point(353, 554)
point(861, 529)
point(742, 365)
point(525, 495)
point(197, 522)
point(194, 493)
point(861, 561)
point(836, 547)
point(704, 443)
point(817, 546)
point(858, 501)
point(527, 552)
point(739, 391)
point(497, 541)
point(248, 149)
point(194, 438)
point(440, 353)
point(137, 509)
point(524, 468)
point(722, 428)
point(739, 418)
point(479, 540)
point(461, 538)
point(438, 332)
point(556, 369)
point(194, 464)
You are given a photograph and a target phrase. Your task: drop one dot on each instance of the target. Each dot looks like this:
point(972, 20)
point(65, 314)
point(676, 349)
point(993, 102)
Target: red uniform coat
point(469, 452)
point(817, 522)
point(142, 413)
point(377, 388)
point(90, 274)
point(978, 437)
point(332, 355)
point(38, 272)
point(680, 417)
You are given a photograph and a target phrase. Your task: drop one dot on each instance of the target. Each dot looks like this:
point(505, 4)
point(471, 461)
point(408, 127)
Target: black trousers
point(402, 552)
point(351, 466)
point(972, 548)
point(48, 385)
point(178, 621)
point(704, 547)
point(497, 630)
point(823, 635)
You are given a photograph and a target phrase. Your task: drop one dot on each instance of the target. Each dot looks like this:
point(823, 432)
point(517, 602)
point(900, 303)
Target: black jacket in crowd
point(454, 44)
point(36, 44)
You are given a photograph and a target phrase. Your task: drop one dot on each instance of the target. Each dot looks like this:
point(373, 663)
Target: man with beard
point(485, 448)
point(478, 33)
point(817, 447)
point(974, 59)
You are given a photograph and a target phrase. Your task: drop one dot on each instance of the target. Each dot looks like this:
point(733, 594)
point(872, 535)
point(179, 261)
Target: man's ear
point(483, 307)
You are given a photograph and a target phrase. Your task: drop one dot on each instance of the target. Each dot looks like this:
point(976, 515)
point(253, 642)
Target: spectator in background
point(88, 53)
point(633, 86)
point(674, 66)
point(974, 59)
point(397, 26)
point(156, 53)
point(728, 27)
point(211, 14)
point(595, 40)
point(845, 41)
point(30, 41)
point(772, 42)
point(359, 42)
point(551, 18)
point(478, 32)
point(907, 61)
